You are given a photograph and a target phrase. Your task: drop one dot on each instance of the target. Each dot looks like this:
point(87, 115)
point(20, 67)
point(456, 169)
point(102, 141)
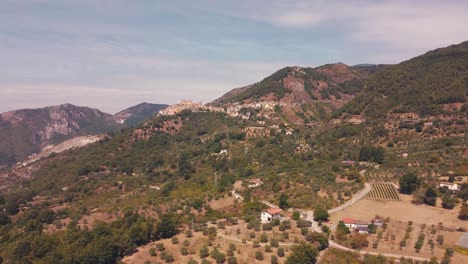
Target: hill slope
point(420, 85)
point(331, 82)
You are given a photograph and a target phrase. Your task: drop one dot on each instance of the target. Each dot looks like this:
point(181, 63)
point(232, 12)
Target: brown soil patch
point(222, 202)
point(402, 210)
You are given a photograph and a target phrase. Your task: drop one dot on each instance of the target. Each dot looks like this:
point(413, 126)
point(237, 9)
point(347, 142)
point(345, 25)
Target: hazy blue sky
point(114, 54)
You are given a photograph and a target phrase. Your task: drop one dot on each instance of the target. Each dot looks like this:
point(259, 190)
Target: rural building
point(349, 222)
point(361, 224)
point(451, 186)
point(377, 222)
point(223, 151)
point(270, 214)
point(255, 183)
point(362, 229)
point(348, 162)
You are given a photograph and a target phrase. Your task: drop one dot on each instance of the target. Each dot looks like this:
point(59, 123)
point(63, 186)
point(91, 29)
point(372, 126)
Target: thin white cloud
point(297, 19)
point(407, 27)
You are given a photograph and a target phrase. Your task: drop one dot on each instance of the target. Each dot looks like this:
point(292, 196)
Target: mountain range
point(27, 131)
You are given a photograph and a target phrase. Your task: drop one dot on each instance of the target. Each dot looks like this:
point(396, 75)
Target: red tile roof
point(274, 211)
point(348, 220)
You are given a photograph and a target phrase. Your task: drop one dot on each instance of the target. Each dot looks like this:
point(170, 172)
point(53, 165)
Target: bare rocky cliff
point(26, 131)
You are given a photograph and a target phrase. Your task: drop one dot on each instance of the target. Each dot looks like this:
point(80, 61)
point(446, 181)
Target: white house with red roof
point(349, 222)
point(255, 183)
point(270, 214)
point(450, 185)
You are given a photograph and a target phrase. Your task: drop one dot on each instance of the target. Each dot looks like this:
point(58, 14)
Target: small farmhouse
point(349, 222)
point(360, 226)
point(255, 183)
point(270, 214)
point(451, 186)
point(348, 162)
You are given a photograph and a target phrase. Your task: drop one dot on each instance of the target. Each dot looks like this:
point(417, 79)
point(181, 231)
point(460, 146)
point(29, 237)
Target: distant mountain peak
point(138, 114)
point(295, 84)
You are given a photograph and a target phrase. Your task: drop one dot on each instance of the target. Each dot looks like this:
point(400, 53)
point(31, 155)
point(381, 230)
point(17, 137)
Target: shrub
point(152, 252)
point(280, 252)
point(232, 260)
point(204, 252)
point(192, 261)
point(296, 215)
point(184, 251)
point(160, 247)
point(274, 242)
point(220, 258)
point(259, 255)
point(169, 258)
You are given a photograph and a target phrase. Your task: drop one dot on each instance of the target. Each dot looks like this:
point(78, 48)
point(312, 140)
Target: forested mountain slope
point(422, 84)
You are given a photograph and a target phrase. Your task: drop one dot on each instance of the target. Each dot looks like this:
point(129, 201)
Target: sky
point(112, 54)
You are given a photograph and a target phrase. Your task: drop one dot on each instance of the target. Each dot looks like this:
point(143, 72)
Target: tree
point(204, 252)
point(320, 238)
point(374, 154)
point(430, 197)
point(274, 259)
point(296, 215)
point(341, 231)
point(409, 183)
point(448, 202)
point(280, 252)
point(463, 215)
point(258, 255)
point(4, 219)
point(320, 214)
point(451, 178)
point(359, 241)
point(166, 227)
point(302, 253)
point(372, 228)
point(463, 192)
point(283, 201)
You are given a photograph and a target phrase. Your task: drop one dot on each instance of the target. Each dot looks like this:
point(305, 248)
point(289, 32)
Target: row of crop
point(383, 191)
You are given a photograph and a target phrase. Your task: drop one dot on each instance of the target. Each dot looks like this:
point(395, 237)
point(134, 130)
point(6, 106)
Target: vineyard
point(383, 191)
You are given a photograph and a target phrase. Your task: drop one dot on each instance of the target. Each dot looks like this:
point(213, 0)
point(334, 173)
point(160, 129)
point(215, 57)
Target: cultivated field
point(401, 238)
point(383, 191)
point(426, 220)
point(403, 210)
